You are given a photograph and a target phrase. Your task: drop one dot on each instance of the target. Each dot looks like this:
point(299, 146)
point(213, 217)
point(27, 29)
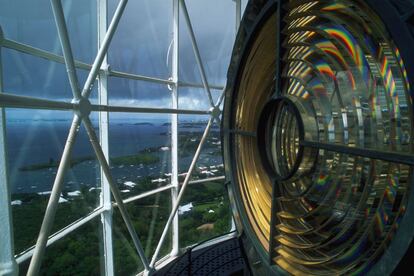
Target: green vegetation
point(205, 197)
point(76, 254)
point(54, 164)
point(189, 141)
point(149, 216)
point(28, 216)
point(141, 158)
point(79, 252)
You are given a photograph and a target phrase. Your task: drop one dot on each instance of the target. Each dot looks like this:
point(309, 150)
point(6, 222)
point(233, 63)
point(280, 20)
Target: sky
point(140, 46)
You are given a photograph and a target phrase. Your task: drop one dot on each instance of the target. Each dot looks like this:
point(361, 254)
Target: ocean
point(33, 144)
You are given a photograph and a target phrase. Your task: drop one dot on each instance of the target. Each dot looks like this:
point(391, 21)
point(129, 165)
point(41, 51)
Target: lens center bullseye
point(280, 133)
point(285, 139)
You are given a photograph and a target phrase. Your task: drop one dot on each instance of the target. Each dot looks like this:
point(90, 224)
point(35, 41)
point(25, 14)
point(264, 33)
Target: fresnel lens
point(321, 164)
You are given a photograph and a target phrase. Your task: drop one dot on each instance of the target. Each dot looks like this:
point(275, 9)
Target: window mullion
point(174, 129)
point(106, 216)
point(8, 265)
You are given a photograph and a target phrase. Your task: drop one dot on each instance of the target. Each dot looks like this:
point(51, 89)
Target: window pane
point(148, 216)
point(28, 75)
point(75, 254)
point(204, 212)
point(35, 143)
point(140, 151)
point(196, 98)
point(243, 5)
point(141, 42)
point(214, 27)
point(125, 92)
point(210, 162)
point(32, 23)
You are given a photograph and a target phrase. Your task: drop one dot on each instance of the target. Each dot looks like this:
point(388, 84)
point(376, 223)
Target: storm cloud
point(140, 46)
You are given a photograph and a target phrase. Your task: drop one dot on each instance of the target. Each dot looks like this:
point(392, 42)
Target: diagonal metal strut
point(50, 213)
point(196, 52)
point(115, 190)
point(47, 223)
point(182, 190)
point(66, 48)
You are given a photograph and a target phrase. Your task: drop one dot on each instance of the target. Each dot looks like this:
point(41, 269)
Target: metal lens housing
point(318, 127)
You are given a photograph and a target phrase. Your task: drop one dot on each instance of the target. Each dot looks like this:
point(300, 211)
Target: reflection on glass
point(35, 144)
point(32, 23)
point(243, 5)
point(28, 75)
point(213, 23)
point(255, 87)
point(75, 254)
point(140, 152)
point(351, 77)
point(142, 40)
point(125, 92)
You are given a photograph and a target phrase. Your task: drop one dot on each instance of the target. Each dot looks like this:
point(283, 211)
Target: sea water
point(41, 142)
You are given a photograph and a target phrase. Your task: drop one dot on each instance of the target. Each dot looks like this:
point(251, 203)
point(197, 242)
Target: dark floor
point(224, 258)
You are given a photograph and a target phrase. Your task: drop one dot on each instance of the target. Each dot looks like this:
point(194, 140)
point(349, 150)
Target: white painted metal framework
point(82, 108)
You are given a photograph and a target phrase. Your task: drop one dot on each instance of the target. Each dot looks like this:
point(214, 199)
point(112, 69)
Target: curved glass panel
point(258, 76)
point(204, 213)
point(347, 75)
point(134, 93)
point(27, 75)
point(149, 216)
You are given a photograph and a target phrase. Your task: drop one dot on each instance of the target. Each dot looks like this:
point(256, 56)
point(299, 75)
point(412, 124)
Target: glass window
point(197, 98)
point(148, 216)
point(32, 23)
point(204, 212)
point(190, 132)
point(33, 166)
point(75, 254)
point(140, 152)
point(142, 41)
point(213, 23)
point(27, 75)
point(126, 92)
point(139, 147)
